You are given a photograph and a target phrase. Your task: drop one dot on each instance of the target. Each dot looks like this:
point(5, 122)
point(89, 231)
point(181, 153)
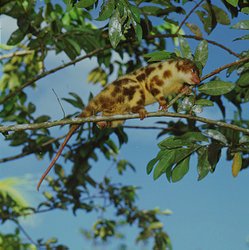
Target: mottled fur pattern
point(132, 92)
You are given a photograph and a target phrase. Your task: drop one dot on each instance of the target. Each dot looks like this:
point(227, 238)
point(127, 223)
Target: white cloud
point(7, 26)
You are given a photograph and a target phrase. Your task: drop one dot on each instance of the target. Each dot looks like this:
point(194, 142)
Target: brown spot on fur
point(167, 74)
point(147, 86)
point(129, 91)
point(142, 95)
point(123, 81)
point(120, 99)
point(148, 70)
point(155, 91)
point(160, 66)
point(162, 98)
point(141, 77)
point(106, 102)
point(157, 81)
point(186, 65)
point(140, 102)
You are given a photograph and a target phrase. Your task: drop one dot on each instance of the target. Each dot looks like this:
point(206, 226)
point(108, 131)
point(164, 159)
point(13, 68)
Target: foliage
point(138, 30)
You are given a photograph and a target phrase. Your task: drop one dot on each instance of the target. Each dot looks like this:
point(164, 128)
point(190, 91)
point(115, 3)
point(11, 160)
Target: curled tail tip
point(38, 185)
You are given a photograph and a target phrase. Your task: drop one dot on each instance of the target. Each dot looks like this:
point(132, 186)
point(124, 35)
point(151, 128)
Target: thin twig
point(17, 53)
point(63, 111)
point(188, 15)
point(20, 227)
point(199, 38)
point(21, 155)
point(216, 71)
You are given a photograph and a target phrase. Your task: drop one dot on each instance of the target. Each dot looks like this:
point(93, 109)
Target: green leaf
point(244, 139)
point(43, 118)
point(214, 153)
point(180, 170)
point(185, 48)
point(151, 164)
point(9, 186)
point(245, 10)
point(85, 3)
point(135, 13)
point(106, 11)
point(158, 56)
point(16, 37)
point(216, 87)
point(164, 163)
point(194, 29)
point(234, 3)
point(115, 29)
point(139, 32)
point(173, 142)
point(245, 37)
point(221, 16)
point(194, 137)
point(203, 166)
point(242, 25)
point(243, 81)
point(215, 134)
point(204, 102)
point(201, 52)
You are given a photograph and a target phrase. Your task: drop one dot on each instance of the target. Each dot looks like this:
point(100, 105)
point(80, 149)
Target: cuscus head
point(188, 71)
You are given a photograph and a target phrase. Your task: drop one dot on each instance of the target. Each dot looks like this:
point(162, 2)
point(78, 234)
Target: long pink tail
point(70, 133)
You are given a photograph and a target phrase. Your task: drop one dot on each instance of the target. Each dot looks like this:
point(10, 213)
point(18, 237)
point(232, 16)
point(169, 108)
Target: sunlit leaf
point(201, 52)
point(233, 2)
point(237, 164)
point(242, 25)
point(194, 29)
point(9, 186)
point(215, 134)
point(185, 48)
point(115, 29)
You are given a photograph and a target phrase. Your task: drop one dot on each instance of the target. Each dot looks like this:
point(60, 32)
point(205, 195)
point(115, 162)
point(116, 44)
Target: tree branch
point(188, 15)
point(17, 53)
point(119, 117)
point(199, 38)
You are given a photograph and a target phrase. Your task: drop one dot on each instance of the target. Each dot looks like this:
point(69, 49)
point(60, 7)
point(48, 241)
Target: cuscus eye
point(193, 70)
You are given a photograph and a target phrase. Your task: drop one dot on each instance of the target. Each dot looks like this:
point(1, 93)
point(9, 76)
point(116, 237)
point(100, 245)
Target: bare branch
point(17, 53)
point(119, 117)
point(199, 38)
point(188, 15)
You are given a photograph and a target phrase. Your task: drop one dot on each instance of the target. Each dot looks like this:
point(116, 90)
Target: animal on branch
point(132, 92)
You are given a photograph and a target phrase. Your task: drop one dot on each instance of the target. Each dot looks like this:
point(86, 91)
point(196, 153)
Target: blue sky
point(210, 214)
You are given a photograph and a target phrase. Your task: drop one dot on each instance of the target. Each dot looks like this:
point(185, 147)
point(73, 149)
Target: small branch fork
point(188, 15)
